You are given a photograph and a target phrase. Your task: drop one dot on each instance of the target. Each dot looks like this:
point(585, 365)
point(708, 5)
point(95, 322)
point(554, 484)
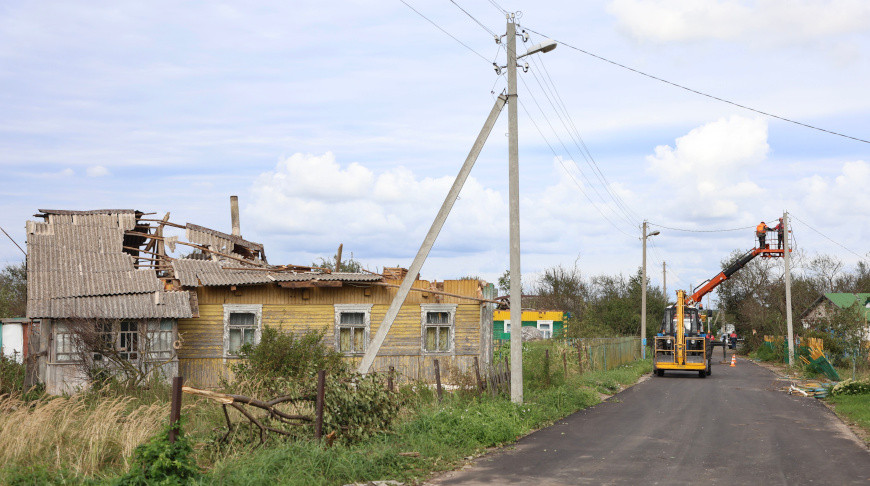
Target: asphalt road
point(732, 427)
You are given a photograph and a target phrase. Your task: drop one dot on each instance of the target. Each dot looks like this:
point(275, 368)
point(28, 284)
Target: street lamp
point(643, 294)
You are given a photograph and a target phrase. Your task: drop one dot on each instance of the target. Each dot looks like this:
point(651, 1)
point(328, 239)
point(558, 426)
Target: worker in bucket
point(761, 233)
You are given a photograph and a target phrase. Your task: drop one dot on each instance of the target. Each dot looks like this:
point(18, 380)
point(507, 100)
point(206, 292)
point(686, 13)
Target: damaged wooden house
point(113, 295)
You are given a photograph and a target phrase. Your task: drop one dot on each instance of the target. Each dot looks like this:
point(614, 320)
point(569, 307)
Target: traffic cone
point(733, 361)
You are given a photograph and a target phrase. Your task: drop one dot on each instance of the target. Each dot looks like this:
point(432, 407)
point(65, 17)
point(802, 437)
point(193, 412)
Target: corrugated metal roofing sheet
point(134, 306)
point(76, 267)
point(217, 239)
point(192, 273)
point(350, 277)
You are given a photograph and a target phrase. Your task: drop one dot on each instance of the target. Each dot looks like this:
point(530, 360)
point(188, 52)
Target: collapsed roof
point(112, 264)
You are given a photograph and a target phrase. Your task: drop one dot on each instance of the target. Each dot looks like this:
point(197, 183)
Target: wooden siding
point(201, 359)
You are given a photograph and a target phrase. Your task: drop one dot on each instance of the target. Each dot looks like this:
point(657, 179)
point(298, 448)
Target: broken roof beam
point(167, 223)
point(199, 247)
point(431, 291)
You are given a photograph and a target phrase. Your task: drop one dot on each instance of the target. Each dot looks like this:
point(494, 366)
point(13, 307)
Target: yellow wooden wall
point(201, 359)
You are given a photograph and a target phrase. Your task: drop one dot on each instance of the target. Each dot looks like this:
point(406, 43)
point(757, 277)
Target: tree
point(128, 350)
point(13, 291)
point(847, 329)
point(504, 282)
point(347, 266)
point(560, 288)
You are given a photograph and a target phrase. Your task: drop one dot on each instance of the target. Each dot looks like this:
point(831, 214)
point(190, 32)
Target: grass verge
point(436, 437)
point(89, 438)
point(855, 410)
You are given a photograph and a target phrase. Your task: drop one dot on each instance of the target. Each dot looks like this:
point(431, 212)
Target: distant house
point(550, 323)
point(109, 270)
point(820, 310)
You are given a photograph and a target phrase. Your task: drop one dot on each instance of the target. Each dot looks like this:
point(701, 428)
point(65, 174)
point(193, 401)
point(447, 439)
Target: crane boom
point(730, 270)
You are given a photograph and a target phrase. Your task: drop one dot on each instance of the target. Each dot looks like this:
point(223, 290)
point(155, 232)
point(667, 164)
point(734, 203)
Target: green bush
point(11, 376)
point(851, 387)
point(358, 406)
point(767, 352)
point(159, 461)
point(286, 355)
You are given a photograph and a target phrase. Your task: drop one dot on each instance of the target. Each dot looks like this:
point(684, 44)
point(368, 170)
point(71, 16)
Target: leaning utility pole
point(786, 254)
point(396, 305)
point(516, 290)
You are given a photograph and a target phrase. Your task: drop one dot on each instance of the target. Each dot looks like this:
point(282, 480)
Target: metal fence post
point(477, 375)
point(438, 379)
point(547, 367)
point(175, 408)
point(318, 406)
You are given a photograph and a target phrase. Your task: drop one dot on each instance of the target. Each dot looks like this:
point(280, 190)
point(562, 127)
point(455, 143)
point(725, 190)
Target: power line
point(587, 156)
point(442, 30)
point(705, 94)
point(744, 228)
point(494, 4)
point(829, 238)
point(568, 152)
point(561, 162)
point(474, 19)
point(13, 241)
point(584, 149)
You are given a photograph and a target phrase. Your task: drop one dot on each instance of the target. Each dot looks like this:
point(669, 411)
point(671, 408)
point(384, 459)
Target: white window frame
point(549, 323)
point(62, 336)
point(256, 309)
point(366, 310)
point(157, 335)
point(450, 309)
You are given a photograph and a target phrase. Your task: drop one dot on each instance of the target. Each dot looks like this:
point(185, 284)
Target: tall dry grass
point(86, 437)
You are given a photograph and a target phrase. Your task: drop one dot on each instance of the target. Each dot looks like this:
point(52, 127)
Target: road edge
point(470, 460)
point(858, 433)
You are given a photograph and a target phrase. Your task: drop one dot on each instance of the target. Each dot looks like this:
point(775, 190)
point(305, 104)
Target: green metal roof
point(847, 300)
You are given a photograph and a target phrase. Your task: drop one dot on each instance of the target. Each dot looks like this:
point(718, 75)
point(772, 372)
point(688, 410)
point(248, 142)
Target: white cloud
point(708, 171)
point(314, 203)
point(97, 171)
point(843, 195)
point(682, 20)
point(384, 215)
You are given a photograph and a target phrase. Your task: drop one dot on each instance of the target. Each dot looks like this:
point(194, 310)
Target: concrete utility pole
point(516, 291)
point(381, 334)
point(787, 256)
point(665, 282)
point(643, 295)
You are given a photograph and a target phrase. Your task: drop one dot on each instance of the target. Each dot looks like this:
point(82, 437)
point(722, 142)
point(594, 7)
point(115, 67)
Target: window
point(64, 347)
point(438, 327)
point(546, 328)
point(352, 324)
point(242, 324)
point(160, 339)
point(128, 340)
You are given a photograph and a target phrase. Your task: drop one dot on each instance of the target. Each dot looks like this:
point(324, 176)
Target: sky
point(347, 122)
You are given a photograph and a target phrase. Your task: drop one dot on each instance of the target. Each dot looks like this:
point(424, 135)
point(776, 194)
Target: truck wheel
point(702, 373)
point(660, 372)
